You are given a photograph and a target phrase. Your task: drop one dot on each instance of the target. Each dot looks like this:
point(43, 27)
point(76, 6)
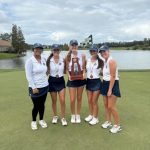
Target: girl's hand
point(35, 91)
point(69, 77)
point(84, 76)
point(109, 93)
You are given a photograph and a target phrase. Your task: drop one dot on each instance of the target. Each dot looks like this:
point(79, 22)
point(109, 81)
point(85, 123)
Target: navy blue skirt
point(76, 83)
point(115, 90)
point(56, 84)
point(93, 84)
point(42, 91)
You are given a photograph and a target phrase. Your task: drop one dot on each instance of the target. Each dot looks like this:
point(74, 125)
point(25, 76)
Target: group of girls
point(47, 76)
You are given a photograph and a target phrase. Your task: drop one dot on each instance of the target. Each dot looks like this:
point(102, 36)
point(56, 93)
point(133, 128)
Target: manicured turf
point(15, 117)
point(7, 55)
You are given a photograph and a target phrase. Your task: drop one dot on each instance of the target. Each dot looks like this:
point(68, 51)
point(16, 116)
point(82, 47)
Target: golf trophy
point(76, 73)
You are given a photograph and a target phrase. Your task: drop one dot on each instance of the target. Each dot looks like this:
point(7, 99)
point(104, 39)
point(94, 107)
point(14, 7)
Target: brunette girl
point(56, 68)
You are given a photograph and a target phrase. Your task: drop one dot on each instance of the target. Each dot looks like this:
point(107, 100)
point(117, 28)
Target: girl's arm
point(28, 71)
point(29, 76)
point(113, 66)
point(84, 65)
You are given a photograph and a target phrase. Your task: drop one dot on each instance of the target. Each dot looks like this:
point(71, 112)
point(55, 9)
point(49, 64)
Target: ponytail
point(48, 63)
point(100, 63)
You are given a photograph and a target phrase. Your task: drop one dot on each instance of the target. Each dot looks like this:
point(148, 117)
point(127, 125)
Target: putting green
point(15, 118)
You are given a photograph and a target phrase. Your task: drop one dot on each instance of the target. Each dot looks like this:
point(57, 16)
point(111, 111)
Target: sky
point(59, 21)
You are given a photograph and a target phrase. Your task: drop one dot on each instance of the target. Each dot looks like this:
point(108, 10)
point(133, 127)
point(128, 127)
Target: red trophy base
point(76, 73)
point(76, 77)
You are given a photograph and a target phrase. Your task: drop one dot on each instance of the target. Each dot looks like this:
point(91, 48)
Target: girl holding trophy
point(75, 68)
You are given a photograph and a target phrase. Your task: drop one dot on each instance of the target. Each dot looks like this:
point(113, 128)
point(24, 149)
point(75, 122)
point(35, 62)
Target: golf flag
point(87, 41)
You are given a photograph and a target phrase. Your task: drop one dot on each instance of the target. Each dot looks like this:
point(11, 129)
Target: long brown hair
point(68, 58)
point(100, 62)
point(48, 63)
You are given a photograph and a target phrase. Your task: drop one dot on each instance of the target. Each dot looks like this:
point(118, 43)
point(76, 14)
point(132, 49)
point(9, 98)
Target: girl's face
point(105, 54)
point(56, 52)
point(74, 48)
point(93, 53)
point(38, 51)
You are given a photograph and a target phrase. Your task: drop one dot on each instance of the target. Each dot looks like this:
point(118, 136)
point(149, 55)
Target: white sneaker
point(43, 124)
point(106, 124)
point(55, 119)
point(34, 125)
point(78, 119)
point(64, 122)
point(89, 118)
point(73, 118)
point(115, 129)
point(94, 121)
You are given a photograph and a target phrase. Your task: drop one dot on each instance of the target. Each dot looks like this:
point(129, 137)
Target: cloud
point(59, 21)
point(140, 30)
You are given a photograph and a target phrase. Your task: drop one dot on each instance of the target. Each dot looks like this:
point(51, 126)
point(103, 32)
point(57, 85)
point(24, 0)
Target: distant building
point(5, 46)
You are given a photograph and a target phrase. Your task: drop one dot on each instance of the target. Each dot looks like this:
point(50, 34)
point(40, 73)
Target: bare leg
point(72, 92)
point(112, 107)
point(62, 102)
point(54, 101)
point(107, 111)
point(79, 98)
point(95, 97)
point(89, 95)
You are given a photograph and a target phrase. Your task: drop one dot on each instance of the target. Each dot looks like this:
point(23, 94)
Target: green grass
point(7, 55)
point(15, 116)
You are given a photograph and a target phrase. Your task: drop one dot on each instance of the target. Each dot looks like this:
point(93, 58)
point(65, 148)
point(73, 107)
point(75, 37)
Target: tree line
point(140, 44)
point(17, 40)
point(19, 45)
point(133, 45)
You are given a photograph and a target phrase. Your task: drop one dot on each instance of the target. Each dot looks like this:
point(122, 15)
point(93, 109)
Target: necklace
point(91, 69)
point(57, 68)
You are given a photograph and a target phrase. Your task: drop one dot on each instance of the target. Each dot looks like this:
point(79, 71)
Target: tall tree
point(18, 40)
point(21, 41)
point(15, 38)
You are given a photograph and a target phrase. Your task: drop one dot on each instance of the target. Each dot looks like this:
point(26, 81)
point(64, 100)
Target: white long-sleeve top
point(36, 73)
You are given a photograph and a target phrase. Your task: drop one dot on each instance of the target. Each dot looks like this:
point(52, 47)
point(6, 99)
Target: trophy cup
point(76, 73)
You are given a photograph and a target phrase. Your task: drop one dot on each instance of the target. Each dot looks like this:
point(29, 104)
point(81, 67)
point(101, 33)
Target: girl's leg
point(89, 95)
point(42, 100)
point(72, 92)
point(107, 111)
point(62, 102)
point(35, 108)
point(112, 107)
point(54, 101)
point(79, 98)
point(95, 97)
